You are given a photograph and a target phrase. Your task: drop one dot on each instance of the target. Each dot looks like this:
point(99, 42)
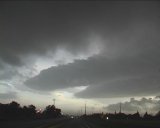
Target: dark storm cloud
point(118, 77)
point(144, 104)
point(7, 74)
point(35, 27)
point(129, 31)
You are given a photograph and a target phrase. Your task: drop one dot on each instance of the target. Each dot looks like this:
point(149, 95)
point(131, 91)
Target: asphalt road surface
point(59, 123)
point(80, 123)
point(74, 123)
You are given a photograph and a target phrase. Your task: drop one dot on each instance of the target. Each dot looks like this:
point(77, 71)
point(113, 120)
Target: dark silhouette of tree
point(32, 111)
point(29, 112)
point(136, 116)
point(13, 111)
point(51, 112)
point(10, 111)
point(157, 116)
point(147, 116)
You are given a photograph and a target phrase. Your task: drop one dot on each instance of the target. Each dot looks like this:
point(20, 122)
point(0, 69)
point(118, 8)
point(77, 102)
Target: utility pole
point(120, 108)
point(81, 111)
point(85, 108)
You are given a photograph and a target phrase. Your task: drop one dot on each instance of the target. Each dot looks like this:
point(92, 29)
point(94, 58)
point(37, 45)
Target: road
point(75, 123)
point(59, 123)
point(80, 123)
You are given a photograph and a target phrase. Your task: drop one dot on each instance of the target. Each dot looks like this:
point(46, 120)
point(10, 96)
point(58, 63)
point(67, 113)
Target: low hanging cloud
point(118, 77)
point(150, 105)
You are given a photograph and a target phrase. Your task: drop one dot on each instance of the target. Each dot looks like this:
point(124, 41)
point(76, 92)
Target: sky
point(98, 53)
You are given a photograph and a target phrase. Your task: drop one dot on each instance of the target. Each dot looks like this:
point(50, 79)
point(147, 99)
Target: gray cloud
point(144, 104)
point(36, 27)
point(8, 95)
point(127, 65)
point(124, 87)
point(123, 76)
point(8, 74)
point(32, 27)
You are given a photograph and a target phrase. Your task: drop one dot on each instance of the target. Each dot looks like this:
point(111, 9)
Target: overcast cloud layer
point(119, 42)
point(35, 27)
point(104, 77)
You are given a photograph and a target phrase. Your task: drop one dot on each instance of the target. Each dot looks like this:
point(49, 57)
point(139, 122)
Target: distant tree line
point(122, 116)
point(13, 111)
